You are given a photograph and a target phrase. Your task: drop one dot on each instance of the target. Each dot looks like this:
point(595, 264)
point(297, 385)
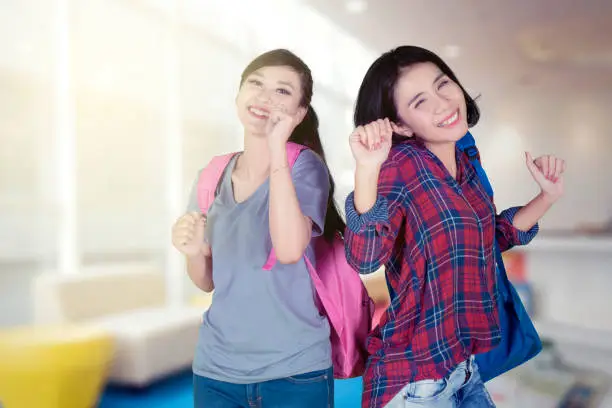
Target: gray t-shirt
point(262, 325)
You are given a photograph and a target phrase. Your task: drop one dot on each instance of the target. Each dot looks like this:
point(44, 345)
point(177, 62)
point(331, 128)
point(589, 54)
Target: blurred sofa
point(151, 339)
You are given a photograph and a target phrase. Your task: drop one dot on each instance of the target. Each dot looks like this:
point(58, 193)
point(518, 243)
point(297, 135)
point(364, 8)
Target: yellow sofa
point(59, 366)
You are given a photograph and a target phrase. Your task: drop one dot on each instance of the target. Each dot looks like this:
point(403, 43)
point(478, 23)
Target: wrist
point(548, 198)
point(200, 256)
point(367, 172)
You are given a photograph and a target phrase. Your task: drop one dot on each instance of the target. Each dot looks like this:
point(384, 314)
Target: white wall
point(119, 81)
point(566, 124)
point(572, 286)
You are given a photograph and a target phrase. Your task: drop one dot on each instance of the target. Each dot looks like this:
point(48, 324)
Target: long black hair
point(307, 132)
point(375, 99)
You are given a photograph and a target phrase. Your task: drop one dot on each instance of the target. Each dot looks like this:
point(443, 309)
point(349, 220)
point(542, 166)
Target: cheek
point(290, 103)
point(423, 122)
point(404, 116)
point(240, 98)
point(416, 119)
point(457, 94)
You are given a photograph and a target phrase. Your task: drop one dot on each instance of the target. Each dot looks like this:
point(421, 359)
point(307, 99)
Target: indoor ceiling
point(495, 45)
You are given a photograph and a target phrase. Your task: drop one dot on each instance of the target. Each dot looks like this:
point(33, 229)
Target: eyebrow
point(286, 83)
point(289, 84)
point(415, 97)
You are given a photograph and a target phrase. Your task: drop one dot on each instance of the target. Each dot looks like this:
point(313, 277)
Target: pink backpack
point(341, 295)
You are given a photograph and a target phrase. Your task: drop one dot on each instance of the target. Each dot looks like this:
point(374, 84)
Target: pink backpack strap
point(209, 180)
point(293, 151)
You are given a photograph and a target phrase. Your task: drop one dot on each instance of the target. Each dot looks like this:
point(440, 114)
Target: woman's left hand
point(547, 171)
point(280, 126)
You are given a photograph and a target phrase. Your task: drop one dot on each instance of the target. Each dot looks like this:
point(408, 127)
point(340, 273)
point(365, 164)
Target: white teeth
point(449, 120)
point(259, 112)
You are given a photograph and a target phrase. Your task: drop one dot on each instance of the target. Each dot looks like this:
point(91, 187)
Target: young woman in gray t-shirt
point(263, 341)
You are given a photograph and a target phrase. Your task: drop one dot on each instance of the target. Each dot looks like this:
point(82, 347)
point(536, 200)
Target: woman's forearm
point(199, 269)
point(290, 230)
point(532, 212)
point(366, 187)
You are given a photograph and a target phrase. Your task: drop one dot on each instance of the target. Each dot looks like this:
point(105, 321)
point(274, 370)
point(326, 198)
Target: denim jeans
point(462, 388)
point(310, 390)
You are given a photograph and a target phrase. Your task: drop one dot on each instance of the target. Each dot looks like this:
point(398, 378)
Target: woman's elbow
point(290, 251)
point(289, 260)
point(206, 286)
point(290, 255)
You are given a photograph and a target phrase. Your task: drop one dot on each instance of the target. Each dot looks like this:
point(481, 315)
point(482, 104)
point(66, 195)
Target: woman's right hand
point(188, 235)
point(371, 143)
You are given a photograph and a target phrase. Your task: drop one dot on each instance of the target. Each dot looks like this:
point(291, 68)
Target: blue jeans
point(310, 390)
point(462, 388)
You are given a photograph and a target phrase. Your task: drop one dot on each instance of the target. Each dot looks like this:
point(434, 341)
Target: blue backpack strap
point(519, 338)
point(467, 144)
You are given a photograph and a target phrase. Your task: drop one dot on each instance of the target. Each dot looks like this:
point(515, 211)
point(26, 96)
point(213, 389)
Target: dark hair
point(375, 99)
point(307, 132)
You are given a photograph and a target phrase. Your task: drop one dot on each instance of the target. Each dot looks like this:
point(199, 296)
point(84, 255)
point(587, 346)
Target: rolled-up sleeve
point(507, 234)
point(370, 237)
point(377, 217)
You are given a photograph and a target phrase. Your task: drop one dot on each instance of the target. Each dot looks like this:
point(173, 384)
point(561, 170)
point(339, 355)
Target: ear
point(301, 113)
point(403, 130)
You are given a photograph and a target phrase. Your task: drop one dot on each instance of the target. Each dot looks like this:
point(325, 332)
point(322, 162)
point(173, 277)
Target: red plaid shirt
point(435, 235)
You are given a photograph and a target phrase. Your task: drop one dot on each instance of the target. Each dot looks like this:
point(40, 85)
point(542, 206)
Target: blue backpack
point(520, 341)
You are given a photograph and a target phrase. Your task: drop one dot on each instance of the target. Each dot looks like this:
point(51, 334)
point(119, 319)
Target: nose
point(265, 95)
point(442, 104)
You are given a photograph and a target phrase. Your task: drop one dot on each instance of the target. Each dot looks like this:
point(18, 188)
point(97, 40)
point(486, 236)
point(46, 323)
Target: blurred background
point(108, 108)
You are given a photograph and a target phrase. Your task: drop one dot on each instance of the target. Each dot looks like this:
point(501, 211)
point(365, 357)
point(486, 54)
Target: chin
point(460, 130)
point(251, 126)
point(255, 129)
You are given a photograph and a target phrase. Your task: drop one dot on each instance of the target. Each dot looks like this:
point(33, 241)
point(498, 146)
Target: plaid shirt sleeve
point(370, 237)
point(507, 234)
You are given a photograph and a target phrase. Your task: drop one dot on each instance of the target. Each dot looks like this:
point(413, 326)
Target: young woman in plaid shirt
point(420, 210)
